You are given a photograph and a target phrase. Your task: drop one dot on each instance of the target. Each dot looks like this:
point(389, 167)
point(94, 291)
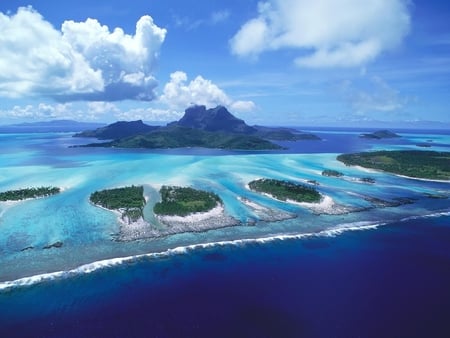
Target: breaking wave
point(108, 263)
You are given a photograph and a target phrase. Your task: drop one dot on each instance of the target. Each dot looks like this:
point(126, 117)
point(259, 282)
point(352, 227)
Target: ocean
point(383, 272)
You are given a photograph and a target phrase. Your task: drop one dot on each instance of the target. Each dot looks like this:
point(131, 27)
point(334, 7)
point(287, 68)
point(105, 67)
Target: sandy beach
point(266, 214)
point(200, 221)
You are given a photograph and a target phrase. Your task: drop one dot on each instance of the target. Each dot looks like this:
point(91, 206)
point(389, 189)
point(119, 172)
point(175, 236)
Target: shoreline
point(215, 218)
point(266, 214)
point(197, 222)
point(378, 171)
point(9, 285)
point(326, 205)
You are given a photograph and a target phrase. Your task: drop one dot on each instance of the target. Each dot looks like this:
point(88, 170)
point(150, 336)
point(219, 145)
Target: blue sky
point(283, 62)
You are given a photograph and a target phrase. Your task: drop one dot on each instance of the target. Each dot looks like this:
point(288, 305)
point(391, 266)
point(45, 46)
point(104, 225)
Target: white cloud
point(219, 16)
point(179, 94)
point(243, 106)
point(149, 114)
point(327, 33)
point(213, 19)
point(42, 111)
point(100, 108)
point(83, 60)
point(375, 96)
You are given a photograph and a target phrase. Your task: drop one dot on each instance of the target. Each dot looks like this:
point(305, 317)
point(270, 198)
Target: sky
point(272, 62)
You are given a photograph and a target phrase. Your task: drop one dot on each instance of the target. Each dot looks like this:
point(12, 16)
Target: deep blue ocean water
point(388, 281)
point(393, 281)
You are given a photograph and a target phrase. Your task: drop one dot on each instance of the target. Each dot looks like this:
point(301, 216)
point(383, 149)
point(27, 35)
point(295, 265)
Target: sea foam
point(182, 250)
point(107, 263)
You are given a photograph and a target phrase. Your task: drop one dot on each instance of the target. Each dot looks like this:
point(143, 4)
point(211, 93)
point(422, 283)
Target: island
point(118, 130)
point(128, 201)
point(367, 179)
point(183, 209)
point(199, 127)
point(28, 193)
point(183, 137)
point(182, 201)
point(286, 190)
point(410, 163)
point(380, 134)
point(332, 173)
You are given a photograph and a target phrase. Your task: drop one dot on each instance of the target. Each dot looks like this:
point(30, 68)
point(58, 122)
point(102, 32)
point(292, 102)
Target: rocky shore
point(266, 214)
point(168, 225)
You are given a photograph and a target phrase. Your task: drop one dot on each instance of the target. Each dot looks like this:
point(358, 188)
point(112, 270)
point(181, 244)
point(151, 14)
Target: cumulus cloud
point(42, 111)
point(81, 61)
point(179, 94)
point(327, 33)
point(87, 111)
point(149, 114)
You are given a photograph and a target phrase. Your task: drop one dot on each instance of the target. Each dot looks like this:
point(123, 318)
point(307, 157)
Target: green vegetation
point(182, 201)
point(21, 194)
point(332, 173)
point(181, 137)
point(131, 199)
point(367, 179)
point(380, 134)
point(283, 134)
point(411, 163)
point(284, 190)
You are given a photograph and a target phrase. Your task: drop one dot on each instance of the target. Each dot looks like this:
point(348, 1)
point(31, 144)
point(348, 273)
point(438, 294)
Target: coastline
point(197, 222)
point(326, 205)
point(8, 285)
point(266, 214)
point(169, 225)
point(179, 250)
point(379, 171)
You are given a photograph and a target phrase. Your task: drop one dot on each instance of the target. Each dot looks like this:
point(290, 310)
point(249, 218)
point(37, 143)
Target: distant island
point(182, 137)
point(332, 173)
point(380, 134)
point(49, 126)
point(128, 201)
point(182, 201)
point(285, 190)
point(118, 130)
point(199, 127)
point(22, 194)
point(412, 163)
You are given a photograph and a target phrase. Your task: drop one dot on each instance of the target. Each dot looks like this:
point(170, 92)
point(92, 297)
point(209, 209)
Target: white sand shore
point(266, 214)
point(369, 170)
point(218, 211)
point(196, 222)
point(326, 206)
point(420, 179)
point(169, 225)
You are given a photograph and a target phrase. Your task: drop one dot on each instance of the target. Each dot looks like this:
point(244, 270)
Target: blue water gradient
point(43, 159)
point(388, 282)
point(310, 276)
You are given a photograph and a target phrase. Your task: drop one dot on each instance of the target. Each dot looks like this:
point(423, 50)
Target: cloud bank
point(327, 33)
point(179, 94)
point(377, 96)
point(81, 61)
point(86, 111)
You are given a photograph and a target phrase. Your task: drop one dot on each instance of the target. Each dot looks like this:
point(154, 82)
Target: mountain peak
point(214, 119)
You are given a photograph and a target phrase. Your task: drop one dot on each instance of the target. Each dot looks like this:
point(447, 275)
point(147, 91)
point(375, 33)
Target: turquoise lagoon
point(88, 233)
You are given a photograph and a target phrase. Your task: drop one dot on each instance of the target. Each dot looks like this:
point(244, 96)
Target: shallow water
point(386, 282)
point(312, 276)
point(43, 159)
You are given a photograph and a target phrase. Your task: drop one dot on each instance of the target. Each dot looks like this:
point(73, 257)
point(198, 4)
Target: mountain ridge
point(199, 127)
